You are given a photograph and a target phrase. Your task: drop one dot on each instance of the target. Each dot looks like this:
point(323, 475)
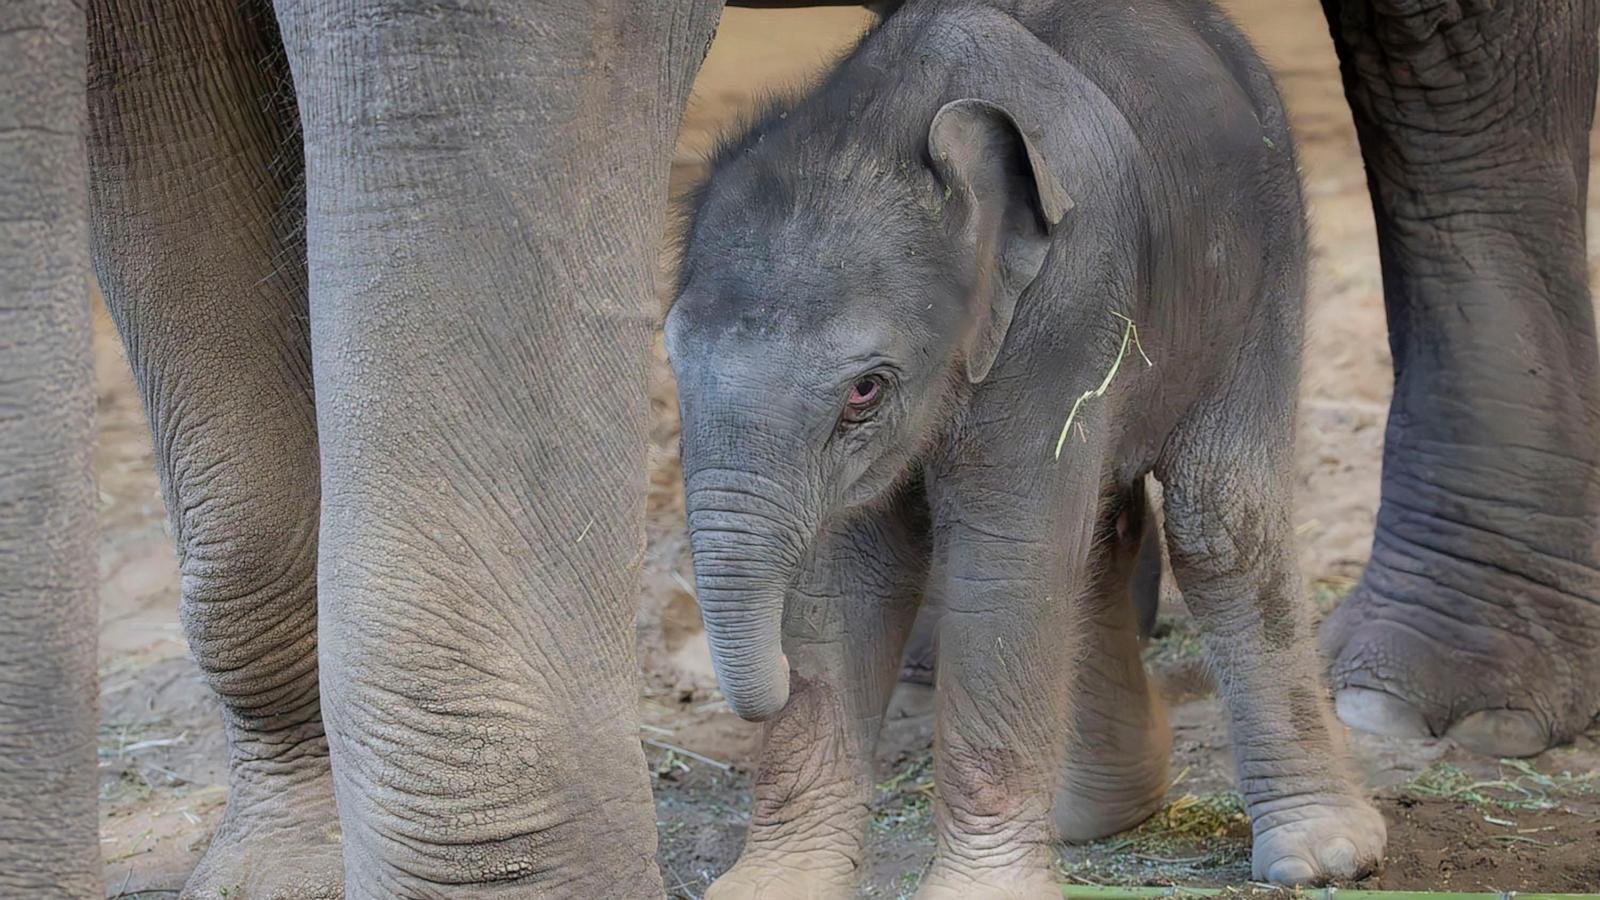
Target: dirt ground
point(1455, 822)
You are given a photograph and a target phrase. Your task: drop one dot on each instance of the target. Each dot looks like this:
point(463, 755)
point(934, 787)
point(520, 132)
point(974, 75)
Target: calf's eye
point(864, 393)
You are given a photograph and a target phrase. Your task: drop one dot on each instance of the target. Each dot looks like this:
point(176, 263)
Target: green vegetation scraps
point(1130, 334)
point(1520, 786)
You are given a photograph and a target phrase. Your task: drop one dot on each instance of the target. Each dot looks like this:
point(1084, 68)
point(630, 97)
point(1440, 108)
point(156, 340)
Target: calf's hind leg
point(1121, 745)
point(1227, 489)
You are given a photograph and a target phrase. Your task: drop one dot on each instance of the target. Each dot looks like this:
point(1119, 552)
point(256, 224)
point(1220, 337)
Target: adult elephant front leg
point(485, 190)
point(48, 842)
point(1479, 613)
point(195, 185)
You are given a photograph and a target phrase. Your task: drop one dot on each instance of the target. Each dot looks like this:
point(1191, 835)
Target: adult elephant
point(384, 275)
point(1478, 615)
point(408, 569)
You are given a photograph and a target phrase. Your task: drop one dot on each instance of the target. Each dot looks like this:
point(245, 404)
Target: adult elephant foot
point(1479, 614)
point(1504, 669)
point(279, 838)
point(1317, 843)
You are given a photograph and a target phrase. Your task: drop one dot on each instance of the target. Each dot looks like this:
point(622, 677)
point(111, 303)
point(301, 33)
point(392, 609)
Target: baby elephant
point(895, 293)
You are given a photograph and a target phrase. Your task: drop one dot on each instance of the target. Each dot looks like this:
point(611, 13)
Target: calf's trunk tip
point(746, 640)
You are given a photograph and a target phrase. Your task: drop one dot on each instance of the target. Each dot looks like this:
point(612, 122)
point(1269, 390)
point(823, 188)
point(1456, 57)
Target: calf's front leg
point(1010, 545)
point(845, 622)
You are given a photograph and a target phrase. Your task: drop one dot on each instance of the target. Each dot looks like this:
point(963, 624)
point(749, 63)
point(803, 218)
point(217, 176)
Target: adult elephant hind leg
point(49, 843)
point(845, 623)
point(1227, 478)
point(1121, 748)
point(194, 181)
point(486, 188)
point(1478, 616)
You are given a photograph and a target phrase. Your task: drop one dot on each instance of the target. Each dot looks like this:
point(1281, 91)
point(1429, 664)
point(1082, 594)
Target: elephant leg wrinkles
point(1012, 542)
point(1121, 745)
point(1478, 616)
point(49, 843)
point(1227, 476)
point(199, 244)
point(485, 192)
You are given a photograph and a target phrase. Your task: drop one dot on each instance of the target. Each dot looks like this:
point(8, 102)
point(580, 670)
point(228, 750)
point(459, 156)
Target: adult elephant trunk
point(749, 539)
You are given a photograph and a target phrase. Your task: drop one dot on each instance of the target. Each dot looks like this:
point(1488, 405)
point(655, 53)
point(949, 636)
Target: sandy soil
point(1455, 822)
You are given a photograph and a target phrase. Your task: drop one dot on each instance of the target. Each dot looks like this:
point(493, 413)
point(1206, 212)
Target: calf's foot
point(1105, 796)
point(1327, 840)
point(279, 838)
point(786, 876)
point(1119, 760)
point(948, 881)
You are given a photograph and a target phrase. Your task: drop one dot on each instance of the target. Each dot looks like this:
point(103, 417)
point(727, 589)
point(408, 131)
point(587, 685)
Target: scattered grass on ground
point(1193, 818)
point(904, 800)
point(1329, 591)
point(124, 749)
point(1189, 837)
point(1518, 786)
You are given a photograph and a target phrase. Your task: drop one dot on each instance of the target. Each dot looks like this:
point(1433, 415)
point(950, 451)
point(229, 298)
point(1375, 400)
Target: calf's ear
point(1004, 201)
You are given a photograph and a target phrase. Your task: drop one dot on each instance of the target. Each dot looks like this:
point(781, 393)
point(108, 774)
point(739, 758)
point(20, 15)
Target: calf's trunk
point(747, 552)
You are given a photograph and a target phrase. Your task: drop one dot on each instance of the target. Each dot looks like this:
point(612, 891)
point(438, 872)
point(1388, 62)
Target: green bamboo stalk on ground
point(1107, 892)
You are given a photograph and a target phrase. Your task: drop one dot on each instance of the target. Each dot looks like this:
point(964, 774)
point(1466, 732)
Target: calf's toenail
point(1291, 870)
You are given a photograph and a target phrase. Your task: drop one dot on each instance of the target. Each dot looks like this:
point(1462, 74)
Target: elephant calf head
point(850, 268)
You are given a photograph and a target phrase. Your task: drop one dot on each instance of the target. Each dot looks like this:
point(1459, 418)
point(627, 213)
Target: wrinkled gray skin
point(49, 845)
point(379, 572)
point(379, 568)
point(1478, 616)
point(479, 165)
point(954, 225)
